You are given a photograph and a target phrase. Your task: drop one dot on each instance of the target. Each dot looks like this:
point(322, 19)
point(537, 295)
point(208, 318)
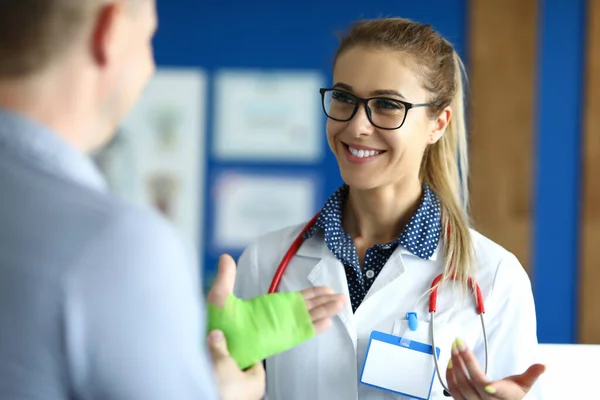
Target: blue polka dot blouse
point(420, 237)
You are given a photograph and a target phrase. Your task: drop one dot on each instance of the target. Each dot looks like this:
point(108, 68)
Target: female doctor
point(396, 125)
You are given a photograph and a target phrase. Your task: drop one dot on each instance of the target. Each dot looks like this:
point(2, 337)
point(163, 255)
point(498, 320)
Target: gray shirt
point(98, 299)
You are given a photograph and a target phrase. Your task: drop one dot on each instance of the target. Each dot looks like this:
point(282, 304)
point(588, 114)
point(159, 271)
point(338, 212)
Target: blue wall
point(269, 35)
point(561, 65)
point(295, 35)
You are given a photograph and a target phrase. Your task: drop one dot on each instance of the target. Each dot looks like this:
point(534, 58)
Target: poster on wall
point(268, 116)
point(250, 205)
point(156, 158)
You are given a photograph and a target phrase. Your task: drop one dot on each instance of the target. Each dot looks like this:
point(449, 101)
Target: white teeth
point(363, 153)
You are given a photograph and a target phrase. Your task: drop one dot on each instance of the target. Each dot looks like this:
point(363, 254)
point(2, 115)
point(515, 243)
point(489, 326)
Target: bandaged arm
point(283, 321)
point(262, 326)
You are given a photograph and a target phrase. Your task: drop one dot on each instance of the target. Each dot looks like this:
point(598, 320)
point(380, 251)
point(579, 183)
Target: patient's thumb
point(217, 345)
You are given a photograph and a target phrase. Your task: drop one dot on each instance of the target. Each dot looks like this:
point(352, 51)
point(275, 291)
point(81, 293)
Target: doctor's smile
point(360, 154)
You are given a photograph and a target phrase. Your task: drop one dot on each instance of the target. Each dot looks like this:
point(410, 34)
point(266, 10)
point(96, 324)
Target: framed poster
point(250, 205)
point(269, 116)
point(157, 157)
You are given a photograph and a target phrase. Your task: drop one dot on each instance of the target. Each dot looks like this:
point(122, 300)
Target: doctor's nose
point(360, 124)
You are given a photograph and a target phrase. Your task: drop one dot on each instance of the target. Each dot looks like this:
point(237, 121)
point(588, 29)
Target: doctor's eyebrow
point(382, 92)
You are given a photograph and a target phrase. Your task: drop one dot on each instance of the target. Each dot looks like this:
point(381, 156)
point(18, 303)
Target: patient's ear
point(105, 33)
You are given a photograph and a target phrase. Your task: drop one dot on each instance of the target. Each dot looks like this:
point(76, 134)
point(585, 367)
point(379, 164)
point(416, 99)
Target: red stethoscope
point(287, 258)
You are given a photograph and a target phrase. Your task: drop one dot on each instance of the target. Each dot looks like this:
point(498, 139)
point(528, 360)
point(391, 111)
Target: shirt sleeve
point(512, 327)
point(134, 316)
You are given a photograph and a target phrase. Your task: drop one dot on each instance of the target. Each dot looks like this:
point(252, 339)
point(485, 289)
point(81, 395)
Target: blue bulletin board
point(270, 35)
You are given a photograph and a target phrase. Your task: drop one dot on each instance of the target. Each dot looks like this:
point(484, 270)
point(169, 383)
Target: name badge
point(399, 365)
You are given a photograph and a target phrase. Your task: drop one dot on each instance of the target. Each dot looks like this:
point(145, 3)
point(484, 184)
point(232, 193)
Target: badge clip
point(413, 322)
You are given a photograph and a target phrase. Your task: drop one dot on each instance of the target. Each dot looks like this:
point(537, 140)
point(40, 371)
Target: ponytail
point(445, 169)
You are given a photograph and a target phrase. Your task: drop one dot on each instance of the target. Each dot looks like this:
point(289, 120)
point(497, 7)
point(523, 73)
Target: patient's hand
point(234, 384)
point(270, 323)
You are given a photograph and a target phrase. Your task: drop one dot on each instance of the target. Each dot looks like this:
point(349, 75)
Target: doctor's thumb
point(529, 377)
point(506, 388)
point(217, 345)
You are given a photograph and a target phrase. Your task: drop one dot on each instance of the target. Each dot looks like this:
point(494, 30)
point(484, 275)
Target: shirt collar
point(420, 236)
point(38, 145)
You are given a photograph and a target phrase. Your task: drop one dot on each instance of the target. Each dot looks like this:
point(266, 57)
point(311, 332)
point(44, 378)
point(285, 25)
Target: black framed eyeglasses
point(382, 112)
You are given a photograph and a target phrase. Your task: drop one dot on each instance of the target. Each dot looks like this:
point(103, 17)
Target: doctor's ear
point(439, 126)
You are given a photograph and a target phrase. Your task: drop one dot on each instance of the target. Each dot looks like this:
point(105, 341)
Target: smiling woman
point(399, 222)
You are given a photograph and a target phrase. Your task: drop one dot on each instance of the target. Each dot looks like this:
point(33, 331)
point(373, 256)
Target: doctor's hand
point(321, 302)
point(466, 379)
point(234, 384)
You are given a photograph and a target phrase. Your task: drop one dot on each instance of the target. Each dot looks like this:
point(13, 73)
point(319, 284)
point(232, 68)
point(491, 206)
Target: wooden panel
point(502, 68)
point(589, 308)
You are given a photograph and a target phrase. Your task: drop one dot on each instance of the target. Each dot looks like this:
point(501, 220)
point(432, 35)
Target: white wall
point(572, 371)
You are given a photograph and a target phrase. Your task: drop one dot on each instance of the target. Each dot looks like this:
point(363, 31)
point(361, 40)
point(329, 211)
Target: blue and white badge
point(400, 365)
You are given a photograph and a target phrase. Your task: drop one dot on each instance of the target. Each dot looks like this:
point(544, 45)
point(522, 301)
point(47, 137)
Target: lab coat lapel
point(329, 271)
point(393, 268)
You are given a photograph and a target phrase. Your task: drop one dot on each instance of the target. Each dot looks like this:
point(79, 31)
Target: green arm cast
point(262, 326)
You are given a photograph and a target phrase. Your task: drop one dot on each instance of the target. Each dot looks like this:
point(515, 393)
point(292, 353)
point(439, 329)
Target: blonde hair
point(445, 164)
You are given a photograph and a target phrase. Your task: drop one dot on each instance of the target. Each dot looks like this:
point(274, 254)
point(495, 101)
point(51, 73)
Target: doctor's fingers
point(455, 391)
point(458, 380)
point(476, 374)
point(324, 306)
point(460, 393)
point(313, 292)
point(322, 325)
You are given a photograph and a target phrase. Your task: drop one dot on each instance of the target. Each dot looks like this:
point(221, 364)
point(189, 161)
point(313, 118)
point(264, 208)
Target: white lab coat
point(328, 366)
